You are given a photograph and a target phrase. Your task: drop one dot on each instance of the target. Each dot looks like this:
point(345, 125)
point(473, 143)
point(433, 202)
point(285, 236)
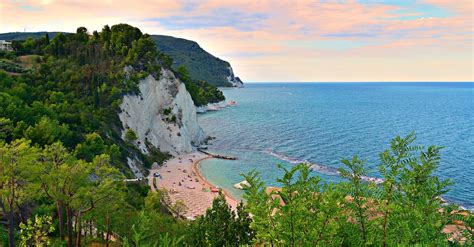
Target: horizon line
point(256, 82)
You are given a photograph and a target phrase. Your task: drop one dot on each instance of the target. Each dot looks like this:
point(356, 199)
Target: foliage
point(151, 228)
point(130, 135)
point(10, 66)
point(16, 159)
point(77, 192)
point(220, 226)
point(405, 209)
point(202, 66)
point(166, 241)
point(302, 212)
point(201, 92)
point(154, 155)
point(169, 116)
point(35, 233)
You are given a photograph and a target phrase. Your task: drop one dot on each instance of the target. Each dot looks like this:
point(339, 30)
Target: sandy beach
point(181, 177)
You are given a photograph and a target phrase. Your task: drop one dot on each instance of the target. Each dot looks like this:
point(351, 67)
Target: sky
point(292, 41)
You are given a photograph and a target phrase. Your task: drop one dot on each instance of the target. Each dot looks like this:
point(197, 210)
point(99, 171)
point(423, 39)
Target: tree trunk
point(69, 226)
point(86, 229)
point(11, 220)
point(11, 228)
point(107, 234)
point(78, 229)
point(90, 228)
point(59, 207)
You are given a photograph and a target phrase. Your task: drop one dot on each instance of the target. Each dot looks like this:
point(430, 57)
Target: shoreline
point(181, 177)
point(196, 168)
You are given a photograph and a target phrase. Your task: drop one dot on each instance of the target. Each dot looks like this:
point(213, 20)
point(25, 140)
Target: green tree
point(47, 131)
point(16, 160)
point(404, 209)
point(165, 240)
point(122, 37)
point(92, 145)
point(6, 129)
point(35, 233)
point(301, 212)
point(241, 226)
point(358, 204)
point(140, 233)
point(183, 73)
point(109, 214)
point(159, 201)
point(55, 161)
point(220, 226)
point(102, 185)
point(410, 194)
point(130, 135)
point(261, 205)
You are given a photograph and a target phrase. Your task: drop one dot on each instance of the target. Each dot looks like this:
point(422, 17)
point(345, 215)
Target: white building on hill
point(5, 46)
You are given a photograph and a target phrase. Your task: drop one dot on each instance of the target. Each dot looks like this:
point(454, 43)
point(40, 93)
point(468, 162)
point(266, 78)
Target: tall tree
point(358, 192)
point(16, 160)
point(54, 158)
point(101, 187)
point(220, 226)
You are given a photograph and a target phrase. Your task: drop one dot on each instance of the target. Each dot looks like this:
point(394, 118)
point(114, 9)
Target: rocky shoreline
point(215, 106)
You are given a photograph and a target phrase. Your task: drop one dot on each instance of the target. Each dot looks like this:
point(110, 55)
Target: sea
point(322, 123)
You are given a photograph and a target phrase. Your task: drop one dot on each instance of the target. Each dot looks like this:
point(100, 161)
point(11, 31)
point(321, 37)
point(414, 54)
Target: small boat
point(241, 185)
point(214, 190)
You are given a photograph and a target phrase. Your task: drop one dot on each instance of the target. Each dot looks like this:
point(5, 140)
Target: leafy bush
point(221, 226)
point(130, 135)
point(404, 209)
point(201, 92)
point(12, 67)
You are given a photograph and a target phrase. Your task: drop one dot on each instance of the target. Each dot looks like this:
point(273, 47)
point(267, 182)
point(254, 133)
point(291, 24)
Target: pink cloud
point(383, 33)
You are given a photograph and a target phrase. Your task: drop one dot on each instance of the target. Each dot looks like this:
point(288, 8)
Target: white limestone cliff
point(235, 81)
point(163, 114)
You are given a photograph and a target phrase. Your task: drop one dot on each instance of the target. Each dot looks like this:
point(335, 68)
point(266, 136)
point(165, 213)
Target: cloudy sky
point(319, 40)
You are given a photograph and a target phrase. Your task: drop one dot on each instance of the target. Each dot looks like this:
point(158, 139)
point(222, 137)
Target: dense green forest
point(201, 91)
point(62, 167)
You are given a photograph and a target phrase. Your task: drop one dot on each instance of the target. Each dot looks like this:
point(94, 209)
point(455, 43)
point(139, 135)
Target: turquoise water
point(325, 122)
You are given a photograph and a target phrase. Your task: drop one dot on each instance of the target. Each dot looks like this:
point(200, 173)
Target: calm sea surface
point(322, 123)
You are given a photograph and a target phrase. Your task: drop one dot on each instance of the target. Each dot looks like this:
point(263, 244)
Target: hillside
point(26, 35)
point(200, 64)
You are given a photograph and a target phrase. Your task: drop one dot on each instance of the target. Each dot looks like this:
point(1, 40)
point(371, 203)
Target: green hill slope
point(200, 64)
point(26, 35)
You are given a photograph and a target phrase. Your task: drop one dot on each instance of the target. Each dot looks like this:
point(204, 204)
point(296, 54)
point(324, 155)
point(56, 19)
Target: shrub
point(130, 135)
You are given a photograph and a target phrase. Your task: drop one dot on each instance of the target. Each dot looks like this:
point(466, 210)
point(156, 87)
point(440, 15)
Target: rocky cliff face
point(163, 115)
point(234, 80)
